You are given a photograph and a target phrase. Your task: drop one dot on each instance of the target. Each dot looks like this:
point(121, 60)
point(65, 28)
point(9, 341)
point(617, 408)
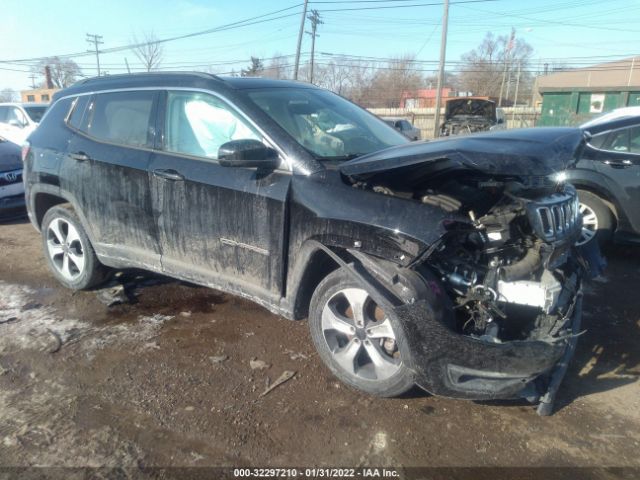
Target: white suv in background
point(18, 120)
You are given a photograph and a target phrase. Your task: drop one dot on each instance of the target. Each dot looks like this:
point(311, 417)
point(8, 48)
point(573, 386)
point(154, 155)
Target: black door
point(106, 170)
point(221, 226)
point(618, 159)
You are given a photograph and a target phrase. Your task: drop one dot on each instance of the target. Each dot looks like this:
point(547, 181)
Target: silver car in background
point(404, 127)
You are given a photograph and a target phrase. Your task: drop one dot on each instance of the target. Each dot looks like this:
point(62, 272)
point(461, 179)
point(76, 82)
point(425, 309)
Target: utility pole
point(506, 95)
point(507, 55)
point(515, 99)
point(96, 40)
point(443, 54)
point(504, 77)
point(315, 21)
point(33, 81)
point(302, 20)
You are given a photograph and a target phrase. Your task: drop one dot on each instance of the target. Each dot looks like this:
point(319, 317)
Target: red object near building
point(422, 98)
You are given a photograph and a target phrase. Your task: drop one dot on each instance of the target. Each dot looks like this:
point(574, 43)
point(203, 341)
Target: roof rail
point(120, 76)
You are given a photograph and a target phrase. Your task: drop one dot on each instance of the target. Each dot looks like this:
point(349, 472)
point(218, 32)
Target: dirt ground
point(166, 380)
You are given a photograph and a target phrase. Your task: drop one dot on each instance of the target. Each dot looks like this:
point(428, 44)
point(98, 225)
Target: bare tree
point(7, 95)
point(256, 68)
point(148, 51)
point(277, 67)
point(64, 72)
point(392, 79)
point(494, 59)
point(335, 76)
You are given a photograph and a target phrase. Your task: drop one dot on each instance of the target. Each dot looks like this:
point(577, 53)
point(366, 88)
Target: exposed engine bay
point(504, 258)
point(465, 126)
point(464, 116)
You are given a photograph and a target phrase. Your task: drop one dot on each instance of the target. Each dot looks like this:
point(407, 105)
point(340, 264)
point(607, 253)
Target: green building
point(571, 97)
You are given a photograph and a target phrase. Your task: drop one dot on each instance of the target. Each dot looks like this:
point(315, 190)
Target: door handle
point(168, 174)
point(80, 156)
point(618, 163)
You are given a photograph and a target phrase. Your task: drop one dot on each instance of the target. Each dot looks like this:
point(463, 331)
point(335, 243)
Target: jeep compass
point(449, 264)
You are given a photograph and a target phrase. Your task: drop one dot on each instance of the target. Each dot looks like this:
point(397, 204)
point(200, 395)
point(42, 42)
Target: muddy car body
point(448, 264)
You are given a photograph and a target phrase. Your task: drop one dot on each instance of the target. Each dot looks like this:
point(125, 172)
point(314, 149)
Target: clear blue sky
point(572, 31)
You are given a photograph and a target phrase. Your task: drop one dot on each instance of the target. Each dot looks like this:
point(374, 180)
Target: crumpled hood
point(476, 107)
point(530, 152)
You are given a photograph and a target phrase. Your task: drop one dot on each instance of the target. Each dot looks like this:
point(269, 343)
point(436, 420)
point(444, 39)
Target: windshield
point(327, 125)
point(36, 113)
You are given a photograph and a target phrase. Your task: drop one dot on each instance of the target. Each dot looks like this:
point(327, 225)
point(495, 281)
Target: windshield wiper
point(341, 158)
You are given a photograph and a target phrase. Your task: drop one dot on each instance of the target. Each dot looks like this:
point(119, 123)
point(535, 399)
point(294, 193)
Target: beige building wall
point(39, 95)
point(622, 73)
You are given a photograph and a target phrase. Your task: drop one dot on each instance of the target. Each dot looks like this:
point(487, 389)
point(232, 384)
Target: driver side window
point(625, 140)
point(198, 124)
point(618, 141)
point(634, 140)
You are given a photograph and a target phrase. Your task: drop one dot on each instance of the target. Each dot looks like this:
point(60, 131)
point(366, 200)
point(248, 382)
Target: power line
point(229, 26)
point(555, 22)
point(405, 6)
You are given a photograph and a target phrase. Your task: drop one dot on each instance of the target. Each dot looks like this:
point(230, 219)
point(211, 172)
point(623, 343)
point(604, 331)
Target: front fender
point(325, 209)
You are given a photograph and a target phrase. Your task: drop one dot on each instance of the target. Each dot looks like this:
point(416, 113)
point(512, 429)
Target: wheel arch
point(317, 260)
point(44, 197)
point(595, 185)
point(313, 266)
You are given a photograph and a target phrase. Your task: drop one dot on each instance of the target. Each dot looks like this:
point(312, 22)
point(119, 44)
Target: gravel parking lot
point(174, 376)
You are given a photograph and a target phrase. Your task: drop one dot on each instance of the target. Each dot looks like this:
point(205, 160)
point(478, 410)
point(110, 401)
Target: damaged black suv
point(448, 264)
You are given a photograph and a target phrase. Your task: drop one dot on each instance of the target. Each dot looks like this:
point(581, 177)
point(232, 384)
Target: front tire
point(361, 345)
point(68, 250)
point(597, 219)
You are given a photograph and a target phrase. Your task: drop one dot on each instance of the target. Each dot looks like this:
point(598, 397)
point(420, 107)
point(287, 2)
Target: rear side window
point(36, 113)
point(121, 117)
point(78, 109)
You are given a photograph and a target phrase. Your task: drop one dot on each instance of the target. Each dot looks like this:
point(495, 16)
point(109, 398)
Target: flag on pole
point(512, 40)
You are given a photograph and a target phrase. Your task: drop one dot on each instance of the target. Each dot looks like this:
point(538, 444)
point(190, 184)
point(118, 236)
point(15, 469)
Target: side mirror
point(247, 153)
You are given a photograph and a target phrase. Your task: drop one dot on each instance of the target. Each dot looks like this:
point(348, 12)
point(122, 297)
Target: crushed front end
point(513, 278)
point(498, 312)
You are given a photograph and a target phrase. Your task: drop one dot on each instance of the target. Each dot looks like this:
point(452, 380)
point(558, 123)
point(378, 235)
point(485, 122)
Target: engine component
point(543, 294)
point(529, 263)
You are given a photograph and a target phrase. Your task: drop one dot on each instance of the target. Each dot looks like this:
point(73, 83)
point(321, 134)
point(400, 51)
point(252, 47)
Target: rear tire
point(597, 219)
point(361, 345)
point(68, 251)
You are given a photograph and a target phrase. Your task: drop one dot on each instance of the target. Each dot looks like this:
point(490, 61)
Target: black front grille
point(556, 217)
point(8, 178)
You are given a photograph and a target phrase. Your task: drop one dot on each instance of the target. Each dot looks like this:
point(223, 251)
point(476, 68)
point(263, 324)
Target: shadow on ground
point(608, 356)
